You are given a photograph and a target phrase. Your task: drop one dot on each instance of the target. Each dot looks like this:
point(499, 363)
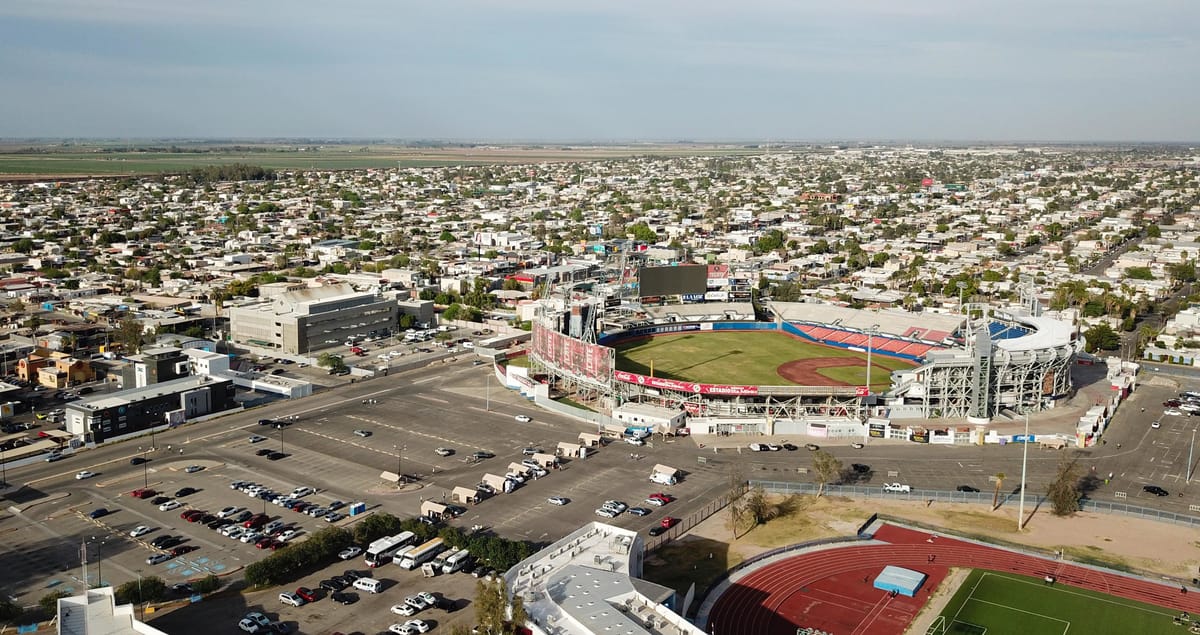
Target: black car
point(352, 575)
point(447, 605)
point(264, 451)
point(244, 516)
point(157, 542)
point(860, 468)
point(159, 500)
point(275, 456)
point(98, 513)
point(138, 460)
point(171, 541)
point(219, 523)
point(656, 530)
point(479, 456)
point(1156, 490)
point(344, 598)
point(265, 422)
point(185, 491)
point(967, 488)
point(182, 588)
point(332, 584)
point(791, 447)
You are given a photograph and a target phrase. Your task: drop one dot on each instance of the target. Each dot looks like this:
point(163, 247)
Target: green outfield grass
point(990, 603)
point(744, 359)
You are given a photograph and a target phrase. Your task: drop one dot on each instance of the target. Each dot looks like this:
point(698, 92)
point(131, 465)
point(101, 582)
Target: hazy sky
point(603, 70)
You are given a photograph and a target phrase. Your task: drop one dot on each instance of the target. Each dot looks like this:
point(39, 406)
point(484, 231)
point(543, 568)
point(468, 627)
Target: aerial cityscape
point(586, 319)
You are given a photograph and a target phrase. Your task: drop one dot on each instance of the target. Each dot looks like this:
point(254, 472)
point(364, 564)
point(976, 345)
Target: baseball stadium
point(733, 371)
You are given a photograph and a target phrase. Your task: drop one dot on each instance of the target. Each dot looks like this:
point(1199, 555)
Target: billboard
point(672, 280)
point(572, 356)
point(684, 386)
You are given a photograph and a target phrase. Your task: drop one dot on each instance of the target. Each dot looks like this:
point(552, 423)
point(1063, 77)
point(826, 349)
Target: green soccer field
point(990, 603)
point(745, 359)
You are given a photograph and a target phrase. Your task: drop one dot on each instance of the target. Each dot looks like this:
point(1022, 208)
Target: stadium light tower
point(1024, 464)
point(870, 335)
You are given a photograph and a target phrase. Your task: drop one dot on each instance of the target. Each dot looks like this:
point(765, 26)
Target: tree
point(489, 608)
point(331, 361)
point(826, 467)
point(24, 246)
point(1139, 273)
point(1153, 232)
point(148, 589)
point(1063, 492)
point(641, 231)
point(518, 616)
point(129, 334)
point(758, 508)
point(49, 603)
point(452, 312)
point(17, 306)
point(376, 526)
point(1102, 337)
point(1000, 476)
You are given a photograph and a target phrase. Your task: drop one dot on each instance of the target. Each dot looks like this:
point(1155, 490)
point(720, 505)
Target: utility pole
point(487, 399)
point(1024, 464)
point(870, 339)
point(1189, 465)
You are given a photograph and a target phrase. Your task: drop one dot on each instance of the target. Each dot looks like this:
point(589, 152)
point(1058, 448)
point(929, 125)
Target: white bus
point(422, 554)
point(456, 561)
point(381, 551)
point(399, 555)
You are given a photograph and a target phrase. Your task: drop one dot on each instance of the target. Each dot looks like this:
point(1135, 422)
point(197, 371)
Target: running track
point(825, 589)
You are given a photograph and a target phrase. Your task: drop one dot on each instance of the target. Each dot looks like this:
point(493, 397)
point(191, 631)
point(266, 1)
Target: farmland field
point(111, 159)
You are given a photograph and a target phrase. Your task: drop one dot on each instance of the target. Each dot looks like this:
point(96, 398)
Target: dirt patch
point(804, 371)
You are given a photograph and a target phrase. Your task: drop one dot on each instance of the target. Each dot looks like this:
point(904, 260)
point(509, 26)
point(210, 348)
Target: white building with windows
point(96, 611)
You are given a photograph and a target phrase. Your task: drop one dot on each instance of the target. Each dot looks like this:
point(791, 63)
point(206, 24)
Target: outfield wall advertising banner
point(570, 355)
point(683, 386)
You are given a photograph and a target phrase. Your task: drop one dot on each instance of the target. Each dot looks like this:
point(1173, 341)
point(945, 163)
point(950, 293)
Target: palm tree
point(1000, 476)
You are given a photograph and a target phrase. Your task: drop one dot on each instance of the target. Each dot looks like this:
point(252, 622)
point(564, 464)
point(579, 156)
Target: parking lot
point(407, 418)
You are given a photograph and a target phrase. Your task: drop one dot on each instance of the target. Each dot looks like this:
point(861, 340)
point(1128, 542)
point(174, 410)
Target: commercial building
point(589, 583)
point(108, 417)
point(96, 611)
point(300, 322)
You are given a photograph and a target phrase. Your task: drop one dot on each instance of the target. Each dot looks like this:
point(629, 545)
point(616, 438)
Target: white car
point(522, 419)
point(291, 598)
point(444, 451)
point(349, 552)
point(634, 441)
point(84, 474)
point(228, 511)
point(428, 598)
point(417, 602)
point(758, 447)
point(289, 534)
point(513, 476)
point(897, 487)
point(140, 530)
point(404, 609)
point(301, 492)
point(1172, 412)
point(169, 505)
point(254, 622)
point(410, 627)
point(1155, 425)
point(250, 536)
point(616, 506)
point(606, 512)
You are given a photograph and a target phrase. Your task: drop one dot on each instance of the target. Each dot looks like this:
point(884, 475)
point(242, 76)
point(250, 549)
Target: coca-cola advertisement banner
point(683, 386)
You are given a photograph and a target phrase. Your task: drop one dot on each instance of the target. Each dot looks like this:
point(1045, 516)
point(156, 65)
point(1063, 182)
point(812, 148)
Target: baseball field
point(764, 359)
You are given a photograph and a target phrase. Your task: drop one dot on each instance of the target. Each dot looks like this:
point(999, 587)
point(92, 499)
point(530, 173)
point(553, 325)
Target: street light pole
point(399, 463)
point(487, 399)
point(1024, 464)
point(3, 470)
point(145, 469)
point(870, 340)
point(1189, 465)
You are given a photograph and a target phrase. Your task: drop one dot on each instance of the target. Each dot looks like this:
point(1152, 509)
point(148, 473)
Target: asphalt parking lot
point(455, 405)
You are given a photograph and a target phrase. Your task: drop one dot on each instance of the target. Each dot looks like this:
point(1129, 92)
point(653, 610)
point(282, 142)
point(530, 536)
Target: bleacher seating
point(857, 339)
point(891, 345)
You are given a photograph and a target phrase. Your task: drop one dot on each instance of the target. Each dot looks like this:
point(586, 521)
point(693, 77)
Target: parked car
point(811, 447)
point(185, 491)
point(307, 594)
point(481, 455)
point(228, 511)
point(362, 433)
point(897, 487)
point(254, 623)
point(158, 558)
point(639, 511)
point(558, 500)
point(1154, 489)
point(860, 468)
point(344, 598)
point(99, 513)
point(404, 609)
point(140, 530)
point(291, 599)
point(522, 419)
point(349, 552)
point(967, 488)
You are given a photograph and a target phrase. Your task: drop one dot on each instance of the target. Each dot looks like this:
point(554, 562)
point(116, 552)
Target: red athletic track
point(825, 589)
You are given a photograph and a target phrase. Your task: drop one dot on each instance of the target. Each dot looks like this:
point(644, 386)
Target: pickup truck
point(897, 487)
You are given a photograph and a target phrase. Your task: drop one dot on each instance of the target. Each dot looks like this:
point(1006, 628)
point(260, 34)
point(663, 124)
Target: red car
point(263, 543)
point(142, 493)
point(660, 497)
point(256, 521)
point(192, 515)
point(307, 593)
point(182, 549)
point(667, 522)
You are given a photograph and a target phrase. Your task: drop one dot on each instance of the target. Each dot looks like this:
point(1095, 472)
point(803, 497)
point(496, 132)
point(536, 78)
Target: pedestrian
point(1183, 590)
point(866, 579)
point(1118, 446)
point(1110, 475)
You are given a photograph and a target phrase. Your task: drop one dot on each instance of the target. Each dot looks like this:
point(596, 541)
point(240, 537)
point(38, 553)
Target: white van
point(370, 585)
point(663, 478)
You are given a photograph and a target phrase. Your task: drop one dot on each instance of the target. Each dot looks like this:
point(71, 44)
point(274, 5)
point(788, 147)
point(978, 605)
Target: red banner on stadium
point(861, 391)
point(683, 386)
